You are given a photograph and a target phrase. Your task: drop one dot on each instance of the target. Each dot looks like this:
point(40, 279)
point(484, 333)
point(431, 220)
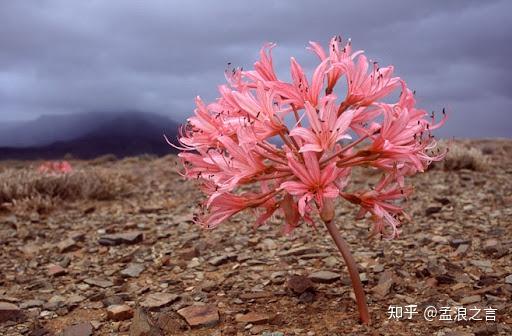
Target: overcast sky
point(75, 56)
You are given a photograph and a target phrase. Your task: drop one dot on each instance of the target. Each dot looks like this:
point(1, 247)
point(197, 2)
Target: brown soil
point(455, 252)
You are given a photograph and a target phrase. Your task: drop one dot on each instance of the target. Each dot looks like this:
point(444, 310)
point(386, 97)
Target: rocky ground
point(137, 265)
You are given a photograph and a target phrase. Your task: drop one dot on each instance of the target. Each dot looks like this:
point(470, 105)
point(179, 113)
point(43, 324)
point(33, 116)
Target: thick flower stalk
point(275, 146)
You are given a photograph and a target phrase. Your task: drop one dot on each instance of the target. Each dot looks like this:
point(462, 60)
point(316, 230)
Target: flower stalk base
point(344, 249)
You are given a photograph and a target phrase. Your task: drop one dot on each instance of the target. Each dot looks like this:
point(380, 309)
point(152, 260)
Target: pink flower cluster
point(55, 167)
point(271, 145)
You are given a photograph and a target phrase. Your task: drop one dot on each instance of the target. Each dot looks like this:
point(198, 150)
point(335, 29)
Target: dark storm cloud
point(75, 56)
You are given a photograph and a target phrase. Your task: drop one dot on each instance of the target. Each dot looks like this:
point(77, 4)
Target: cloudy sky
point(62, 56)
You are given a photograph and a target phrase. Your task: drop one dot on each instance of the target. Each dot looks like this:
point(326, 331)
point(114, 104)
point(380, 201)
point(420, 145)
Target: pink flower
point(326, 127)
point(55, 167)
point(230, 145)
point(313, 184)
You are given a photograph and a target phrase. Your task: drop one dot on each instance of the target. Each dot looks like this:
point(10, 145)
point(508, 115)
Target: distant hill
point(87, 136)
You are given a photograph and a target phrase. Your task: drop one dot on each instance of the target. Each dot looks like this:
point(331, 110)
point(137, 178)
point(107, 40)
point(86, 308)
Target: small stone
point(99, 282)
point(299, 284)
point(133, 270)
point(80, 329)
point(468, 207)
point(471, 299)
point(269, 244)
point(384, 285)
point(171, 323)
point(142, 325)
point(209, 286)
point(324, 277)
point(331, 261)
point(96, 324)
point(189, 253)
point(445, 279)
point(74, 300)
point(442, 200)
point(56, 270)
point(432, 209)
point(462, 249)
point(255, 295)
point(439, 239)
point(314, 255)
point(31, 304)
point(196, 316)
point(219, 260)
point(253, 317)
point(482, 264)
point(458, 241)
point(119, 312)
point(133, 237)
point(77, 236)
point(194, 263)
point(112, 300)
point(158, 300)
point(508, 279)
point(67, 245)
point(9, 312)
point(491, 246)
point(487, 330)
point(363, 277)
point(278, 277)
point(258, 329)
point(300, 251)
point(378, 268)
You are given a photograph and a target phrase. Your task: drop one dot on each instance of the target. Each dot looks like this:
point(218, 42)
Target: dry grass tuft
point(21, 185)
point(462, 156)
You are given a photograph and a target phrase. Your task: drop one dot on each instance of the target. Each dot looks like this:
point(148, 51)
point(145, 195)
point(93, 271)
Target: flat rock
point(157, 300)
point(10, 312)
point(319, 255)
point(482, 264)
point(253, 317)
point(300, 251)
point(171, 323)
point(142, 325)
point(384, 285)
point(432, 209)
point(80, 329)
point(31, 304)
point(99, 282)
point(200, 316)
point(508, 279)
point(470, 299)
point(462, 249)
point(67, 245)
point(299, 284)
point(324, 277)
point(255, 295)
point(222, 259)
point(55, 270)
point(133, 270)
point(119, 312)
point(458, 241)
point(132, 237)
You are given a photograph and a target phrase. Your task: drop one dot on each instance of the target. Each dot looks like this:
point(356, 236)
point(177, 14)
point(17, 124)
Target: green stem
point(344, 249)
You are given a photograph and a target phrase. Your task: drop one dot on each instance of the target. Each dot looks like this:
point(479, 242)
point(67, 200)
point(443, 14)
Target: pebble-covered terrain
point(137, 265)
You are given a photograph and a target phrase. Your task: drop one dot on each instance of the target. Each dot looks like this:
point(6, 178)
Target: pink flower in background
point(274, 146)
point(55, 167)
